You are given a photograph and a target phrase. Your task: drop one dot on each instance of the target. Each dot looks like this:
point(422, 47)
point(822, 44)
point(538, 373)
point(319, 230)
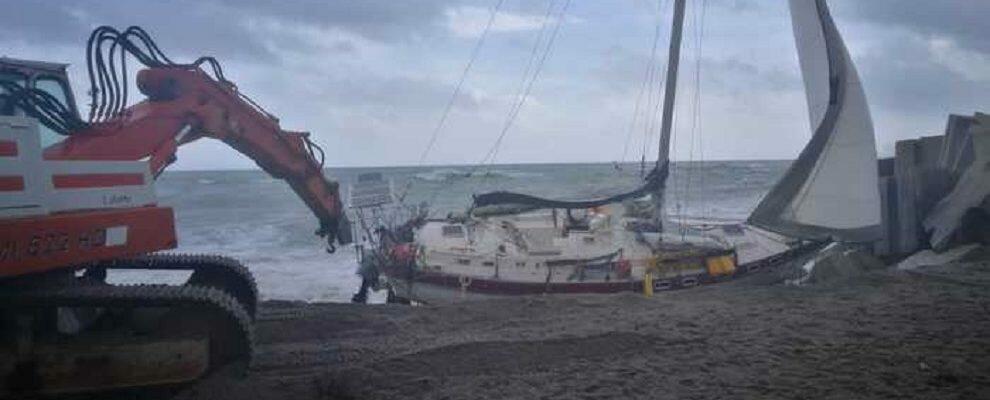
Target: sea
point(257, 219)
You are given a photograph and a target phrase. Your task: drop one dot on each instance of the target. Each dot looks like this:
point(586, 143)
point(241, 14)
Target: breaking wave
point(447, 174)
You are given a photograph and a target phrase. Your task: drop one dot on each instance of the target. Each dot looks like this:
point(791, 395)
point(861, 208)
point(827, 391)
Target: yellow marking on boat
point(721, 265)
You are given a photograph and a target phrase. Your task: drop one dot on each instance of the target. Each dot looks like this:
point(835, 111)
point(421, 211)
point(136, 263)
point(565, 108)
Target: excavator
point(77, 204)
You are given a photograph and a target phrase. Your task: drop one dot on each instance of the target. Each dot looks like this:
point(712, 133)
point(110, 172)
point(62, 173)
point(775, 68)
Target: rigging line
point(457, 91)
point(492, 153)
point(460, 82)
point(650, 113)
point(694, 171)
point(533, 55)
point(527, 76)
point(534, 52)
point(701, 148)
point(654, 114)
point(692, 168)
point(646, 79)
point(524, 95)
point(490, 158)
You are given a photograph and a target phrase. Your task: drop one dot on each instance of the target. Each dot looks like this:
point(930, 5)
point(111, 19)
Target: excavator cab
point(49, 77)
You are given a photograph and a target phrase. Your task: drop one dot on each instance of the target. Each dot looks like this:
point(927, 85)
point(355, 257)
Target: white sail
point(831, 190)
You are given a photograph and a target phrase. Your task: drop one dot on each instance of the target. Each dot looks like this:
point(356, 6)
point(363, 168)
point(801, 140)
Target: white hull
point(535, 253)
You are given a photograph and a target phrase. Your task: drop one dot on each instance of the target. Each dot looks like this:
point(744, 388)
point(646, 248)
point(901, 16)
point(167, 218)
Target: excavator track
point(219, 272)
point(198, 329)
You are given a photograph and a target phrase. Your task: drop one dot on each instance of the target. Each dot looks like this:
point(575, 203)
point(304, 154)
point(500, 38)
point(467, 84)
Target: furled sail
point(653, 183)
point(830, 191)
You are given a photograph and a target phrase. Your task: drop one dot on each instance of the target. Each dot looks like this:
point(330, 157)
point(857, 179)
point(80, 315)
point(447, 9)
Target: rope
point(526, 85)
point(453, 97)
point(706, 211)
point(693, 170)
point(655, 102)
point(647, 81)
point(521, 100)
point(460, 82)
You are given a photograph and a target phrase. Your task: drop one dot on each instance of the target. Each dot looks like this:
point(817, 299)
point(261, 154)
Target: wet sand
point(884, 334)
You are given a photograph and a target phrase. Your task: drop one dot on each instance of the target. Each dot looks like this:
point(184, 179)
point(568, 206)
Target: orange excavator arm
point(184, 104)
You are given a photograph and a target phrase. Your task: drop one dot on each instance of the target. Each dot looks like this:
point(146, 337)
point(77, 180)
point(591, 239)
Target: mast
point(670, 92)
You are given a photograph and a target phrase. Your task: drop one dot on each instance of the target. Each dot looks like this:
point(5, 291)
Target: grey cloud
point(383, 20)
point(738, 5)
point(739, 76)
point(965, 21)
point(623, 70)
point(173, 24)
point(406, 95)
point(216, 26)
point(373, 95)
point(904, 78)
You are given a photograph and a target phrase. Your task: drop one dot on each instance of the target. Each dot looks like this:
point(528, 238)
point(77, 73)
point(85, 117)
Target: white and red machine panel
point(61, 213)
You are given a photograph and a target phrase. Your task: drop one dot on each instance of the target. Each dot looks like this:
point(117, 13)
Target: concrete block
point(885, 166)
point(907, 175)
point(888, 216)
point(957, 149)
point(929, 151)
point(972, 190)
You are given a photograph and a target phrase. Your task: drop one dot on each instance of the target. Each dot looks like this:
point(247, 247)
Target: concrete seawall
point(931, 183)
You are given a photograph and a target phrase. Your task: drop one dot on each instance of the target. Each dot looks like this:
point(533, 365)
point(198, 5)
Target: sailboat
point(515, 243)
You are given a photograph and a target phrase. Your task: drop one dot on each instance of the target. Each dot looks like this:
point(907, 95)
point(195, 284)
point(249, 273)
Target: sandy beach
point(880, 334)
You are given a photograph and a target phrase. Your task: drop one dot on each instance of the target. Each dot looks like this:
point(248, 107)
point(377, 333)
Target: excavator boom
point(185, 104)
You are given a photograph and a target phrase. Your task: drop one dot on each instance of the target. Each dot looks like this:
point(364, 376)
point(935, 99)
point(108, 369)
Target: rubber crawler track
point(137, 296)
point(214, 271)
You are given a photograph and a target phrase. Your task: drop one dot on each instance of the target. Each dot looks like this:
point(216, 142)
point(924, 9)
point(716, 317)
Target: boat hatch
point(452, 231)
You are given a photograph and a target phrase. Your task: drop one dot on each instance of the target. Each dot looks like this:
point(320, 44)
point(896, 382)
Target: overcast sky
point(370, 78)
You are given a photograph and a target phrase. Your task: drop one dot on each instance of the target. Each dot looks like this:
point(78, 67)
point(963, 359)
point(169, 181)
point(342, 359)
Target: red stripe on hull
point(8, 148)
point(80, 181)
point(11, 183)
point(502, 287)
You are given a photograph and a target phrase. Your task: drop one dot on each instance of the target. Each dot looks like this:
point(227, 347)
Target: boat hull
point(409, 284)
point(431, 288)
